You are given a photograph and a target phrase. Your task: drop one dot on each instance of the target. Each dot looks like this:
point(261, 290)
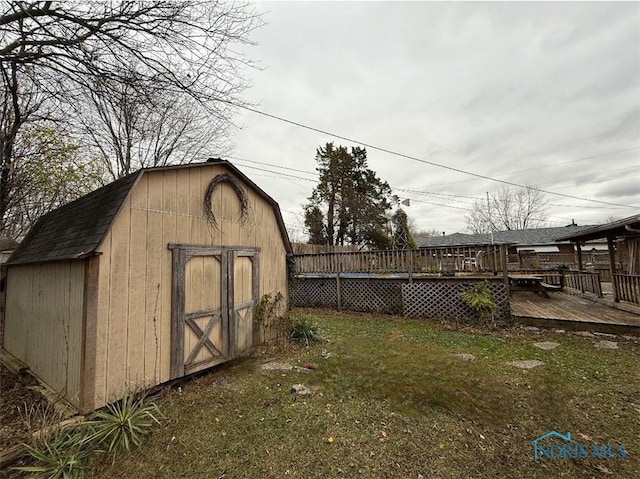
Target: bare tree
point(426, 233)
point(509, 209)
point(129, 128)
point(61, 49)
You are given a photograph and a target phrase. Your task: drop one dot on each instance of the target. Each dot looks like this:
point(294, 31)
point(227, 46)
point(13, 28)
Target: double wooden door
point(214, 295)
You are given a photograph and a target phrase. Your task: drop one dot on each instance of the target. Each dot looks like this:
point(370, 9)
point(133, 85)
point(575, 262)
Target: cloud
point(492, 88)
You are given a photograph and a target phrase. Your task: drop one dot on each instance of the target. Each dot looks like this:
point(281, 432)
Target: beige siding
point(44, 322)
point(134, 298)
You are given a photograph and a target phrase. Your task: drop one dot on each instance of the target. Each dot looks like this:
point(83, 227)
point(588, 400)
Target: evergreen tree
point(350, 201)
point(402, 237)
point(314, 221)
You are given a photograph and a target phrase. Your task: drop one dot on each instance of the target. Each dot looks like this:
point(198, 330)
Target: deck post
point(338, 292)
point(503, 261)
point(410, 252)
point(612, 269)
point(580, 268)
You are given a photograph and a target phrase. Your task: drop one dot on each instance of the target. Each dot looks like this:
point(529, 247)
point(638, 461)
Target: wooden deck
point(561, 310)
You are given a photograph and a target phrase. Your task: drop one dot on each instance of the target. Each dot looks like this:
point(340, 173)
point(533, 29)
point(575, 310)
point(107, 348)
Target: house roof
point(621, 228)
point(528, 237)
point(76, 229)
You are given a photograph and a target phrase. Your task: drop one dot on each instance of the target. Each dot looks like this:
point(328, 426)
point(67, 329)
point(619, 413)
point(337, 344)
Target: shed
point(147, 279)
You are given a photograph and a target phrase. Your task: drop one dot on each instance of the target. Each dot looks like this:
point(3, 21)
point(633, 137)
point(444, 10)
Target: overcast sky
point(531, 93)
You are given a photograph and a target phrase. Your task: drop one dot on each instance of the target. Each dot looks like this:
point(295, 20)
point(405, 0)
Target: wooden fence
point(628, 287)
point(437, 298)
point(425, 260)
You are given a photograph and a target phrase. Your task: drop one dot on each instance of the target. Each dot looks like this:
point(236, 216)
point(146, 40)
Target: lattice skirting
point(432, 298)
point(441, 299)
point(314, 292)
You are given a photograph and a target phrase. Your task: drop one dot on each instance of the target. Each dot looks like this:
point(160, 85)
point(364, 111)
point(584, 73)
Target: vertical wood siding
point(44, 322)
point(134, 298)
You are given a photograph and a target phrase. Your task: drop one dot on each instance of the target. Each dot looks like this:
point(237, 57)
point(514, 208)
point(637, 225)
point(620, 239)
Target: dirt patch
point(15, 396)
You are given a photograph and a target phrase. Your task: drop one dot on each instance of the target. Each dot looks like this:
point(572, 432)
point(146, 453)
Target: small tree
point(402, 237)
point(480, 299)
point(47, 171)
point(314, 222)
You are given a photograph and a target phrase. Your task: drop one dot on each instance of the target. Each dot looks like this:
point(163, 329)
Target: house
point(539, 240)
point(529, 248)
point(152, 277)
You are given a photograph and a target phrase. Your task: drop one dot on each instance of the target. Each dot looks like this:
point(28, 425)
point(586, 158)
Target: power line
point(406, 190)
point(551, 165)
point(420, 160)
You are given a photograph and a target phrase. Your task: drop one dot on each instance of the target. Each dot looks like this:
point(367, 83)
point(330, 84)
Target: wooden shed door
point(214, 295)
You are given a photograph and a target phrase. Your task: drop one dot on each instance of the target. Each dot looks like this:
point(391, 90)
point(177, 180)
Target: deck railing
point(584, 282)
point(569, 280)
point(628, 287)
point(423, 260)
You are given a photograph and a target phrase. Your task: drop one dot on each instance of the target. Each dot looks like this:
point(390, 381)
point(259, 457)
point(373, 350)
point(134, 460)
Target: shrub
point(67, 452)
point(123, 423)
point(305, 330)
point(66, 455)
point(480, 299)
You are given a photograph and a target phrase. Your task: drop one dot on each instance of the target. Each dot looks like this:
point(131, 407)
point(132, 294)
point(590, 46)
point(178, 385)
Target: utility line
point(420, 160)
point(406, 190)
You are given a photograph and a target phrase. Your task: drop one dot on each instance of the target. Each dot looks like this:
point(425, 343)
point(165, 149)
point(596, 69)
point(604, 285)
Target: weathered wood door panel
point(214, 296)
point(243, 297)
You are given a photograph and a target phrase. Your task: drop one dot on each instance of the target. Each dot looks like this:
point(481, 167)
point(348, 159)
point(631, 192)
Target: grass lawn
point(394, 402)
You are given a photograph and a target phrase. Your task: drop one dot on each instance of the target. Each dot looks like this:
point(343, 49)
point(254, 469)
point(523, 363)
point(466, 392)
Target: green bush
point(480, 299)
point(124, 423)
point(305, 330)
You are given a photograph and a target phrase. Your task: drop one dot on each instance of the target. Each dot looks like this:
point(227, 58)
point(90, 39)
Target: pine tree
point(350, 201)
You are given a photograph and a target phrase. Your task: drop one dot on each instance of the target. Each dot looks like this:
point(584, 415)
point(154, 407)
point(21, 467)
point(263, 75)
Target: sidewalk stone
point(526, 364)
point(464, 356)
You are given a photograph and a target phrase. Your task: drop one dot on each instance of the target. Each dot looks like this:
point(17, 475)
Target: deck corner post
point(612, 269)
point(503, 261)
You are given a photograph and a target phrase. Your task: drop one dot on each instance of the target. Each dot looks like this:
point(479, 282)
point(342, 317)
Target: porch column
point(612, 268)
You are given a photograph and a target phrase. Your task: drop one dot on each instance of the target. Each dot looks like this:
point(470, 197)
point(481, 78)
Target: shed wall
point(133, 342)
point(44, 322)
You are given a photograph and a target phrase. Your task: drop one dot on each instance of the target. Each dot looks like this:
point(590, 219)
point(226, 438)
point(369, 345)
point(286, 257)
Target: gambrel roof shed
point(76, 229)
point(152, 277)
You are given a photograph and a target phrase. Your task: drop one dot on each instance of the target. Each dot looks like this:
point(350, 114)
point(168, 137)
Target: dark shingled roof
point(7, 244)
point(528, 237)
point(616, 229)
point(76, 229)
